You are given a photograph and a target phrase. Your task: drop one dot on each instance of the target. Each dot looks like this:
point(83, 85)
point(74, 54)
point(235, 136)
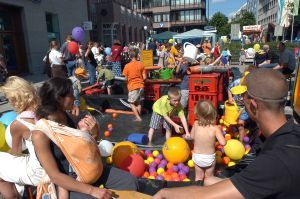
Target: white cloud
point(218, 1)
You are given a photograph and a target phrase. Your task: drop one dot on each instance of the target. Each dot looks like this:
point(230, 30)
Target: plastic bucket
point(166, 73)
point(138, 138)
point(190, 52)
point(231, 113)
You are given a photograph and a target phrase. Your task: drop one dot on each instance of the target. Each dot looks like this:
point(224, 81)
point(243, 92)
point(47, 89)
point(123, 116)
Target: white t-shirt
point(55, 57)
point(95, 51)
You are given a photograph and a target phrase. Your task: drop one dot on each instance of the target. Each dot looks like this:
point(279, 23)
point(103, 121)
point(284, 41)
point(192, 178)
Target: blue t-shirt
point(184, 85)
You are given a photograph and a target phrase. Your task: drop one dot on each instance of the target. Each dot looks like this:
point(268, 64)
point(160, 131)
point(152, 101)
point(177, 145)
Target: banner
point(147, 58)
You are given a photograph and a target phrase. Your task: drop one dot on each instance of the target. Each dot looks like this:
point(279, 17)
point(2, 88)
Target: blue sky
point(227, 7)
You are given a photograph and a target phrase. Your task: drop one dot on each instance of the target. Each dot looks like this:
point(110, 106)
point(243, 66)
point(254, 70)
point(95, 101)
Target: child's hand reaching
point(178, 128)
point(88, 123)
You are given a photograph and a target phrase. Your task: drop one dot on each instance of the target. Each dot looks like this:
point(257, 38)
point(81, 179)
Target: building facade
point(114, 19)
point(27, 26)
point(251, 6)
point(173, 15)
point(238, 14)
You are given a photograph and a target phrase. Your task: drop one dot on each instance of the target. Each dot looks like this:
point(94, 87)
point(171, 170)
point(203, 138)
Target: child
point(205, 133)
point(242, 57)
point(235, 96)
point(165, 107)
point(76, 90)
point(135, 76)
point(107, 76)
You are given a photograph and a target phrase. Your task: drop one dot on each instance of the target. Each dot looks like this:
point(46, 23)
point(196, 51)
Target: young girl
point(205, 133)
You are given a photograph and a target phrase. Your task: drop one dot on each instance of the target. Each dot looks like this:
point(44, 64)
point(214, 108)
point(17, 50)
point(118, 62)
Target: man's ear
point(253, 106)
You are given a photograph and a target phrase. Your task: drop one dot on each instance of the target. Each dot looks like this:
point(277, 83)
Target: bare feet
point(137, 120)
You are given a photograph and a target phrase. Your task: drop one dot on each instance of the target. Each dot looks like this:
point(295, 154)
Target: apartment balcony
point(155, 9)
point(188, 6)
point(181, 23)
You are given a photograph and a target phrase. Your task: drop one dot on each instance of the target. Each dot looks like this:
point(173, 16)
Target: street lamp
point(145, 28)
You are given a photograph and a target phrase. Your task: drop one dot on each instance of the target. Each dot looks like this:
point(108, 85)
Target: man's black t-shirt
point(275, 173)
point(272, 56)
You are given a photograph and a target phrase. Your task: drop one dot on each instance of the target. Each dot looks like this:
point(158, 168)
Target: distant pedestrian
point(116, 51)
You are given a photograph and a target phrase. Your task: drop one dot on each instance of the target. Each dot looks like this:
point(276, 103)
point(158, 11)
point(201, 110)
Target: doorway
point(12, 40)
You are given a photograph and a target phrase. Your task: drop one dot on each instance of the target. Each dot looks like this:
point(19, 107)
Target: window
point(157, 18)
point(52, 27)
point(166, 17)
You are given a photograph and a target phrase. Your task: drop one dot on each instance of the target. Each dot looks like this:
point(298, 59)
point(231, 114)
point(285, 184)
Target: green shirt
point(108, 74)
point(163, 107)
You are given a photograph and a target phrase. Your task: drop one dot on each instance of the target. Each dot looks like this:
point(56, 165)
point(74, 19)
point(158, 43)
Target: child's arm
point(185, 125)
point(176, 126)
point(220, 136)
point(230, 97)
point(193, 131)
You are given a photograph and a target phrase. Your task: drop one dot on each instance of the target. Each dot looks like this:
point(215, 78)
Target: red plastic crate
point(204, 82)
point(152, 92)
point(194, 97)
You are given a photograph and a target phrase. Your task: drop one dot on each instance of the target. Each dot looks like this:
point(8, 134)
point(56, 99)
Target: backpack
point(80, 149)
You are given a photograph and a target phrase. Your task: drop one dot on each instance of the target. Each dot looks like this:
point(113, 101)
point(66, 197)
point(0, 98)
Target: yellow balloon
point(234, 149)
point(176, 150)
point(3, 145)
point(224, 40)
point(256, 47)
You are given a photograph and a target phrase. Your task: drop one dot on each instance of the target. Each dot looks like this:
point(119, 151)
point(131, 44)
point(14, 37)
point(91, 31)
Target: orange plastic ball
point(146, 174)
point(106, 133)
point(109, 126)
point(114, 115)
point(122, 150)
point(170, 165)
point(226, 160)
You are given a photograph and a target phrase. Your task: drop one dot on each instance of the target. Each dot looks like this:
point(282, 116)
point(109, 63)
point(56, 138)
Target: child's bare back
point(205, 138)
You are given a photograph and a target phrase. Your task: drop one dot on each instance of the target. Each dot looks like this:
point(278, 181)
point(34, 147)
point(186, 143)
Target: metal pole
point(141, 5)
point(207, 10)
point(292, 29)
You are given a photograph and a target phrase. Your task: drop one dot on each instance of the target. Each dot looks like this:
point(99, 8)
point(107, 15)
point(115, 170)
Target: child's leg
point(139, 108)
point(241, 128)
point(150, 135)
point(135, 111)
point(199, 173)
point(109, 90)
point(209, 172)
point(167, 126)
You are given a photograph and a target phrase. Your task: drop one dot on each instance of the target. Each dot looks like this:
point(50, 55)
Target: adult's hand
point(88, 123)
point(100, 193)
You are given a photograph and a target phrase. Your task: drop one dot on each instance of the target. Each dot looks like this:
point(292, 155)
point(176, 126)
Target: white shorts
point(20, 170)
point(203, 160)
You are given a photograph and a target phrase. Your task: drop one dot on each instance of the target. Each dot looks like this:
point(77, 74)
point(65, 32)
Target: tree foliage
point(220, 21)
point(247, 19)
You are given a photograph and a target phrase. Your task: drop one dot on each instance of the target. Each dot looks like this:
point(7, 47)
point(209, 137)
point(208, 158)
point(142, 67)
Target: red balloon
point(73, 47)
point(134, 164)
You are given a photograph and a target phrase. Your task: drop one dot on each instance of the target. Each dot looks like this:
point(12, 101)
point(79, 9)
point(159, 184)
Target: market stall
point(195, 36)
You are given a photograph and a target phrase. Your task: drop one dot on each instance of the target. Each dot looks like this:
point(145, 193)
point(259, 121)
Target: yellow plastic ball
point(160, 171)
point(155, 153)
point(230, 164)
point(150, 159)
point(146, 162)
point(176, 150)
point(109, 160)
point(186, 180)
point(227, 136)
point(221, 121)
point(151, 177)
point(234, 149)
point(191, 163)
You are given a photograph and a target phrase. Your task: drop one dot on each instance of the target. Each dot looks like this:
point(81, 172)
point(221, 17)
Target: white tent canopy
point(195, 33)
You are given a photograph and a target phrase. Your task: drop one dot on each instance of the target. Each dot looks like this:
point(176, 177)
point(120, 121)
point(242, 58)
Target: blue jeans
point(272, 65)
point(92, 73)
point(71, 65)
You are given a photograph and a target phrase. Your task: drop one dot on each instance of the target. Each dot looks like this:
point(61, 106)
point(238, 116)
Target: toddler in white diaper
point(205, 133)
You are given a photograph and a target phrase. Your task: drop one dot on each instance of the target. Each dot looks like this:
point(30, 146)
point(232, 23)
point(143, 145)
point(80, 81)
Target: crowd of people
point(262, 95)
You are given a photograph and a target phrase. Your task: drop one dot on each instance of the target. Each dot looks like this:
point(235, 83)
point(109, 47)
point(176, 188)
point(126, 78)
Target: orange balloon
point(109, 126)
point(106, 133)
point(226, 160)
point(114, 115)
point(176, 150)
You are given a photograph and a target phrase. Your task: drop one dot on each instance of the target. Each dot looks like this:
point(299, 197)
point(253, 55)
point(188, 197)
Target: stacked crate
point(152, 92)
point(204, 86)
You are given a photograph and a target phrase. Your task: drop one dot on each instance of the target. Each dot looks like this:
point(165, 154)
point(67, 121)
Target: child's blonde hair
point(174, 92)
point(205, 113)
point(23, 93)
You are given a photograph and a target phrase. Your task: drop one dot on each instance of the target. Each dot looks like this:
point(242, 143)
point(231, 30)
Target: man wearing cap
point(275, 173)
